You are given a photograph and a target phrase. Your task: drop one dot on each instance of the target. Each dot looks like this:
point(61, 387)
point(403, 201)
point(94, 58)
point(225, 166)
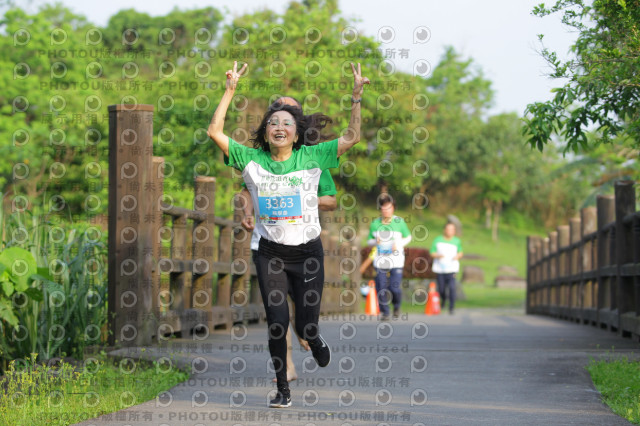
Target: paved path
point(470, 368)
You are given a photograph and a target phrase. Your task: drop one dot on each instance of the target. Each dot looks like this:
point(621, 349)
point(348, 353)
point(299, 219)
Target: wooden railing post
point(535, 258)
point(203, 243)
point(588, 221)
point(606, 211)
point(563, 269)
point(530, 274)
point(156, 190)
point(221, 312)
point(625, 196)
point(538, 261)
point(179, 286)
point(574, 301)
point(553, 265)
point(240, 266)
point(130, 301)
point(545, 271)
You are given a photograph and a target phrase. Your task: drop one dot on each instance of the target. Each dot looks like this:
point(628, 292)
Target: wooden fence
point(589, 271)
point(176, 270)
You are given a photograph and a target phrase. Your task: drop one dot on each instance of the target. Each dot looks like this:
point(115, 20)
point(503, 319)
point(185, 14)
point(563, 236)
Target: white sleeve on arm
point(404, 241)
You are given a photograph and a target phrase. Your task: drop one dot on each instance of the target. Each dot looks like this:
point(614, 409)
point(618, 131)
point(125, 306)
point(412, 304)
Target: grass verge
point(485, 296)
point(477, 296)
point(619, 383)
point(35, 394)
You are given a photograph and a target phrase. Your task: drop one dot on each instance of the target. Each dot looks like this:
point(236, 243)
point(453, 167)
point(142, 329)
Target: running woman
point(326, 202)
point(282, 176)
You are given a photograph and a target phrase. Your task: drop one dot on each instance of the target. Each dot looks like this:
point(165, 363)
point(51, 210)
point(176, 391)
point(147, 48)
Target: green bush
point(53, 282)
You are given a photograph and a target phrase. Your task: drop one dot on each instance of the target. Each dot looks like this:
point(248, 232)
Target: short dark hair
point(385, 199)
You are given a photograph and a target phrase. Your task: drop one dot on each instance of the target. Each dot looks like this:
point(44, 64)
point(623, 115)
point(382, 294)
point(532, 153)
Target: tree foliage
point(305, 54)
point(603, 87)
point(422, 134)
point(460, 98)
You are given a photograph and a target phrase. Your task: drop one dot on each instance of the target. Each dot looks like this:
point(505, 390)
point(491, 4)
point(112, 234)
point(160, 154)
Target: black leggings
point(299, 272)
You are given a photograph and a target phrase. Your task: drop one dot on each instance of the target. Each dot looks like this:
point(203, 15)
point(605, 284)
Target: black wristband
point(355, 101)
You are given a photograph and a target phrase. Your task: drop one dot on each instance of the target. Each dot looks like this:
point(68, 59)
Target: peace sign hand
point(234, 75)
point(358, 80)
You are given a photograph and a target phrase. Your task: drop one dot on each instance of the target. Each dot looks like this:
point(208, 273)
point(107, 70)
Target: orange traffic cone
point(433, 301)
point(372, 307)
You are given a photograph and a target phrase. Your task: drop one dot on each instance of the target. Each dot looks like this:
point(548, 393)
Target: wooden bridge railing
point(589, 270)
point(168, 264)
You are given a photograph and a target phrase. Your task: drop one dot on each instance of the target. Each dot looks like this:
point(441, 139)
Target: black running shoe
point(280, 401)
point(321, 351)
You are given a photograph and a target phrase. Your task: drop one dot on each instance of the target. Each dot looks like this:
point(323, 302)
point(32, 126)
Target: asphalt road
point(476, 367)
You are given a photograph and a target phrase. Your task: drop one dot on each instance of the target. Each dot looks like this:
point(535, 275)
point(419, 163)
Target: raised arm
point(216, 127)
point(352, 135)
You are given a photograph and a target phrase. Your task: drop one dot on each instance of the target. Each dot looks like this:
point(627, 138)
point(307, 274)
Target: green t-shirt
point(285, 193)
point(448, 248)
point(393, 233)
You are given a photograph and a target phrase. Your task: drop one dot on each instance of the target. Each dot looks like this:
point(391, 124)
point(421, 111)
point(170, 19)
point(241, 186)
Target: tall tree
point(59, 73)
point(460, 98)
point(497, 173)
point(603, 87)
point(305, 53)
point(45, 136)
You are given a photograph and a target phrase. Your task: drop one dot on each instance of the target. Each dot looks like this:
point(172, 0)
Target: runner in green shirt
point(446, 251)
point(389, 234)
point(326, 202)
point(282, 176)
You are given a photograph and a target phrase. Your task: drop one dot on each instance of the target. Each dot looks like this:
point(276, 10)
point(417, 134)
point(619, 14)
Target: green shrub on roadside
point(53, 287)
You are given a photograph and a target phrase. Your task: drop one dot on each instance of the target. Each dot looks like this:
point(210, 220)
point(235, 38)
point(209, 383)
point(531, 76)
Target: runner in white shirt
point(282, 176)
point(446, 250)
point(326, 202)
